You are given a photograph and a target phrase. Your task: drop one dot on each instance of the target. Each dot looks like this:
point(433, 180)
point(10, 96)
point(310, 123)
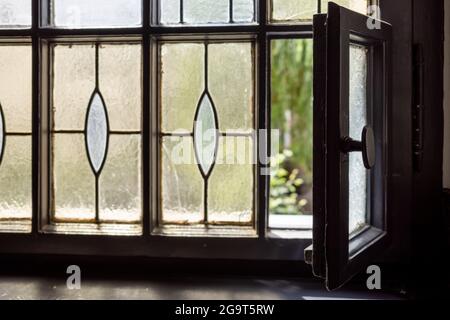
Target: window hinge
point(418, 107)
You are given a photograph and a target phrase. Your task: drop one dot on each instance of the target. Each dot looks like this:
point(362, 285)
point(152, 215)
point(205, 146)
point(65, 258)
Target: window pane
point(120, 182)
point(15, 179)
point(15, 14)
point(231, 63)
point(15, 86)
point(292, 116)
point(96, 140)
point(193, 105)
point(355, 5)
point(98, 13)
point(293, 10)
point(73, 182)
point(206, 11)
point(358, 176)
point(182, 184)
point(182, 82)
point(231, 183)
point(15, 137)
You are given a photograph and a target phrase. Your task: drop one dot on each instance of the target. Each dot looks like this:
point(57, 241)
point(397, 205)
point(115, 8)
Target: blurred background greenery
point(292, 114)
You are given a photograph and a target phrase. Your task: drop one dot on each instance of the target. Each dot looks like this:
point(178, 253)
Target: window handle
point(366, 146)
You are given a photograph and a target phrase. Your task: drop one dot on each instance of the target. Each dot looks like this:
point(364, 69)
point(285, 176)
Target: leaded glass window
point(147, 117)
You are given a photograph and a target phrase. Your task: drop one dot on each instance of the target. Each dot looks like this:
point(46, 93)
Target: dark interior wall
point(399, 14)
point(429, 231)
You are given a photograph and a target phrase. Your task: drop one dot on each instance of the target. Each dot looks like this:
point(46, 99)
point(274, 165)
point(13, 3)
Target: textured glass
point(181, 183)
point(73, 182)
point(120, 181)
point(15, 179)
point(231, 84)
point(169, 11)
point(120, 81)
point(96, 13)
point(243, 10)
point(73, 84)
point(357, 120)
point(206, 11)
point(97, 132)
point(205, 135)
point(182, 83)
point(355, 5)
point(293, 10)
point(15, 86)
point(15, 14)
point(230, 196)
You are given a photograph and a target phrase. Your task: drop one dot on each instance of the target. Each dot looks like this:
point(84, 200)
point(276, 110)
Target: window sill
point(205, 231)
point(11, 226)
point(93, 229)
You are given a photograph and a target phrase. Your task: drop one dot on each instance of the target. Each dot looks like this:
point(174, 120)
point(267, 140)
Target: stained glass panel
point(15, 137)
point(214, 85)
point(96, 164)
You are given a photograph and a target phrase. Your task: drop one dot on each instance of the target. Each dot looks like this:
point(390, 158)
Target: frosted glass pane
point(73, 181)
point(182, 183)
point(120, 181)
point(169, 11)
point(74, 82)
point(97, 132)
point(15, 179)
point(355, 5)
point(243, 10)
point(98, 13)
point(205, 135)
point(231, 84)
point(230, 196)
point(206, 11)
point(120, 72)
point(358, 175)
point(293, 10)
point(15, 14)
point(182, 81)
point(15, 86)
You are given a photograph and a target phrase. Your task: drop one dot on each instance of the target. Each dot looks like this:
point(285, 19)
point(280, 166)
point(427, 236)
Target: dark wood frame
point(336, 255)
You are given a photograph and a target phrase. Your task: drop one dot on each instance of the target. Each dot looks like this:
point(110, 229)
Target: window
point(146, 127)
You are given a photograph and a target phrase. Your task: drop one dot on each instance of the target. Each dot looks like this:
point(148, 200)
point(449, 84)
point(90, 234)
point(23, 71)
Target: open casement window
point(351, 110)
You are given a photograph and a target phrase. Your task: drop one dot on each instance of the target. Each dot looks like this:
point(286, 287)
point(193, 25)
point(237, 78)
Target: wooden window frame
point(265, 246)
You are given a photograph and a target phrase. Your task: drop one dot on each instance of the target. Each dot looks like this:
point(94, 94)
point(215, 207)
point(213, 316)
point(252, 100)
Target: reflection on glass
point(15, 137)
point(292, 115)
point(358, 175)
point(98, 13)
point(96, 165)
point(15, 14)
point(196, 12)
point(196, 95)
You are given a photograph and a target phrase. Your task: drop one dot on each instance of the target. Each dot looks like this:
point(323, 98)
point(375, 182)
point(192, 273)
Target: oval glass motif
point(205, 135)
point(2, 134)
point(97, 132)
